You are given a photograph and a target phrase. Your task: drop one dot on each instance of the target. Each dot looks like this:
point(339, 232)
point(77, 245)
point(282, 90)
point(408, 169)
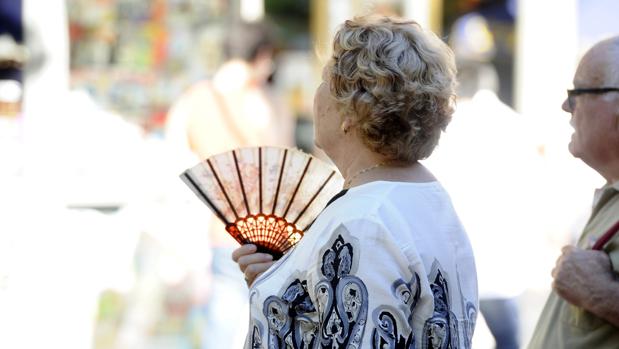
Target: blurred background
point(102, 246)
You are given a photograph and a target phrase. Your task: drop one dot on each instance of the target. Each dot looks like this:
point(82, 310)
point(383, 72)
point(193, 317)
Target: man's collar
point(603, 194)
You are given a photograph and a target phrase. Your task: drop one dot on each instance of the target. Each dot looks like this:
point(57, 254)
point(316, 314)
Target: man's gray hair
point(612, 67)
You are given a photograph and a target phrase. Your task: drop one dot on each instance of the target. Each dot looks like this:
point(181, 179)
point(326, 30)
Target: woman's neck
point(366, 166)
point(411, 173)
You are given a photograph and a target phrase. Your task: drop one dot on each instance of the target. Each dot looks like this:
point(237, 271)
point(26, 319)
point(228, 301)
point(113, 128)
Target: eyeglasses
point(571, 94)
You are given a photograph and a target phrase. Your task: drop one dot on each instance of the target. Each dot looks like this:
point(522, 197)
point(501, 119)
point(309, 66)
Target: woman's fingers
point(247, 260)
point(254, 270)
point(251, 263)
point(242, 251)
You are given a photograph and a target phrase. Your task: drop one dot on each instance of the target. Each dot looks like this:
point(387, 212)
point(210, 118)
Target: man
point(583, 309)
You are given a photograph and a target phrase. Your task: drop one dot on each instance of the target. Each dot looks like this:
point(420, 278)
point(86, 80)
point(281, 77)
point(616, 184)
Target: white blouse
point(387, 265)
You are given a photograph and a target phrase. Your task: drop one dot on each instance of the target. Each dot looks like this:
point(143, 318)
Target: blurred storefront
point(136, 57)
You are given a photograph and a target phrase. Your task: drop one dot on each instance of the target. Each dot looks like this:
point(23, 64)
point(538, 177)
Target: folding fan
point(266, 196)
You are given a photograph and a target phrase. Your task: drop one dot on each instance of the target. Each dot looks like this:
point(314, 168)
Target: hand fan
point(266, 196)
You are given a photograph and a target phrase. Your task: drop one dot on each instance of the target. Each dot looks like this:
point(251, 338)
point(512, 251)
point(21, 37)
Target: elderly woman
point(387, 264)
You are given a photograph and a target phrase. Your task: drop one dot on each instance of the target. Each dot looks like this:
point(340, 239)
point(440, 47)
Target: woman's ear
point(347, 124)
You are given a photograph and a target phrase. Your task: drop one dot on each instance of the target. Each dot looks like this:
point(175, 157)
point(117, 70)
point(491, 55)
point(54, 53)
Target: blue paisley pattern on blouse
point(342, 299)
point(288, 323)
point(386, 333)
point(341, 306)
point(338, 315)
point(441, 330)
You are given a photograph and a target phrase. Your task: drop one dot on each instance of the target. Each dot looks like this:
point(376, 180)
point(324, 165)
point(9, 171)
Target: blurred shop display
point(136, 56)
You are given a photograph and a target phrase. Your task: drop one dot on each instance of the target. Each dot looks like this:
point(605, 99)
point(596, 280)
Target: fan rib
point(238, 172)
point(272, 232)
point(309, 203)
point(205, 198)
point(222, 188)
point(260, 177)
point(309, 161)
point(279, 181)
point(312, 200)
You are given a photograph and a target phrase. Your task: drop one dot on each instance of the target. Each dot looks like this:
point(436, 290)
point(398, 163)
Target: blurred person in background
point(387, 264)
point(12, 52)
point(488, 166)
point(582, 311)
point(236, 108)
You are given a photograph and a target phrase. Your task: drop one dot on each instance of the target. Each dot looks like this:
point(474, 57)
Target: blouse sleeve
point(366, 291)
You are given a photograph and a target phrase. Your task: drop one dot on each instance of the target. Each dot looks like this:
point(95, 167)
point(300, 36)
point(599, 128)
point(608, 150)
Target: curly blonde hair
point(397, 80)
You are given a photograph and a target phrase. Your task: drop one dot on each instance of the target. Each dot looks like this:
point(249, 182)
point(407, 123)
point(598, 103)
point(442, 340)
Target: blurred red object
point(599, 244)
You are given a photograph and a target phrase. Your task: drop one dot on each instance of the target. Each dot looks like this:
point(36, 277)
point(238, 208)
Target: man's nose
point(566, 106)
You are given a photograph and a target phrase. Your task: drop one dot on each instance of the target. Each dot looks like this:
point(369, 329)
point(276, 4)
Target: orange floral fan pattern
point(266, 196)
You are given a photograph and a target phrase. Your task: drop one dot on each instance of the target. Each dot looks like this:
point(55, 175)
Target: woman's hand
point(251, 263)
